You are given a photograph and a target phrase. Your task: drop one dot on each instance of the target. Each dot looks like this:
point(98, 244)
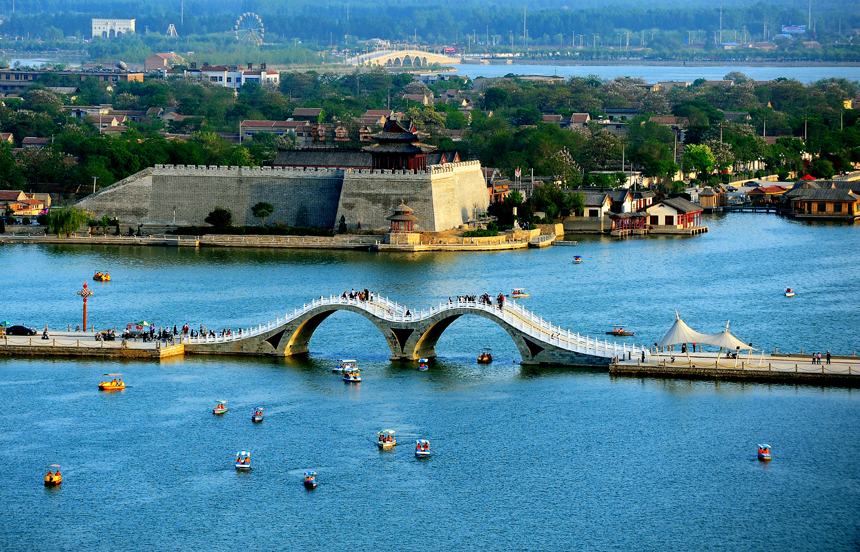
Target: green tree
point(67, 220)
point(698, 158)
point(219, 217)
point(822, 168)
point(262, 211)
point(577, 205)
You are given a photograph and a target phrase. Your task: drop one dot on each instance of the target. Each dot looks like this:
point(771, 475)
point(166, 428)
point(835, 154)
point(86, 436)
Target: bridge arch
point(293, 339)
point(422, 344)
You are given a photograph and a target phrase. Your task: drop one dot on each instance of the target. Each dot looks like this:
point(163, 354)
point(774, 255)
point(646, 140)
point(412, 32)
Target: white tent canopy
point(682, 333)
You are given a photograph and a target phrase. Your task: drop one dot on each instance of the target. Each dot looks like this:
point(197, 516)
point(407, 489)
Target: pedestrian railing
point(387, 310)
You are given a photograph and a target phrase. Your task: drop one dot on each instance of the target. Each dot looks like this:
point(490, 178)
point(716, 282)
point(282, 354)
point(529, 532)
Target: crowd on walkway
point(816, 358)
point(484, 299)
point(361, 295)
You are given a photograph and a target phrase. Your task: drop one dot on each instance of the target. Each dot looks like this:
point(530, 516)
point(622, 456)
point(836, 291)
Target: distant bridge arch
point(403, 58)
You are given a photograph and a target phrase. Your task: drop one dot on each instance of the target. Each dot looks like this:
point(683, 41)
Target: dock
point(843, 371)
point(84, 344)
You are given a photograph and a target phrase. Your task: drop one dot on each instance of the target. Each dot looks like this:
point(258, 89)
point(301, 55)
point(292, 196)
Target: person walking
point(828, 356)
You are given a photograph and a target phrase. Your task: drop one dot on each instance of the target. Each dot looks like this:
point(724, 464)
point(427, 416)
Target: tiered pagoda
point(397, 148)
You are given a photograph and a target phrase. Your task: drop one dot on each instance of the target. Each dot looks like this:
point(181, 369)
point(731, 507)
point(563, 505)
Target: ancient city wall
point(443, 196)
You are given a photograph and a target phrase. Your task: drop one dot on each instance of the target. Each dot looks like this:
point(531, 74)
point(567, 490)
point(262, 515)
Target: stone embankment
point(841, 371)
point(84, 344)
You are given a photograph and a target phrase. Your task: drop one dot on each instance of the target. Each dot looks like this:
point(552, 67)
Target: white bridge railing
point(513, 314)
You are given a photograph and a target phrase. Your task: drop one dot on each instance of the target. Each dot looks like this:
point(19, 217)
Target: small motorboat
point(577, 259)
point(53, 477)
point(422, 448)
point(346, 364)
point(310, 480)
point(422, 364)
point(486, 356)
point(115, 384)
point(101, 277)
point(386, 439)
point(243, 461)
point(257, 416)
point(763, 452)
point(619, 331)
point(220, 407)
point(353, 375)
point(517, 293)
point(789, 292)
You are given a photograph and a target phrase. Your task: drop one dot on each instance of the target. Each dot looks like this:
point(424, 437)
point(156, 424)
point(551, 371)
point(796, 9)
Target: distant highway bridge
point(411, 335)
point(402, 58)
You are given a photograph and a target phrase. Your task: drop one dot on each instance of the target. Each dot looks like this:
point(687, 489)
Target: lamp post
point(95, 178)
point(84, 293)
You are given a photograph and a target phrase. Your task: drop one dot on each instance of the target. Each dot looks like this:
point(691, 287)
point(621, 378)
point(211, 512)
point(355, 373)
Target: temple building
point(397, 148)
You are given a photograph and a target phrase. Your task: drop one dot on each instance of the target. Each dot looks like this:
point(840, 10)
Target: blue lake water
point(654, 73)
point(526, 458)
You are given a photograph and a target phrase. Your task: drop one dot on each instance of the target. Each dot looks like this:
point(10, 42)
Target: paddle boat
point(243, 461)
point(351, 375)
point(101, 277)
point(386, 439)
point(789, 292)
point(53, 477)
point(310, 480)
point(114, 385)
point(422, 448)
point(517, 293)
point(619, 331)
point(422, 364)
point(763, 452)
point(257, 416)
point(220, 407)
point(347, 364)
point(486, 356)
point(577, 259)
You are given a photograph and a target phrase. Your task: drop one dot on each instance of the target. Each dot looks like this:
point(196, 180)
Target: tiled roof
point(831, 195)
point(307, 112)
point(681, 205)
point(10, 195)
point(595, 200)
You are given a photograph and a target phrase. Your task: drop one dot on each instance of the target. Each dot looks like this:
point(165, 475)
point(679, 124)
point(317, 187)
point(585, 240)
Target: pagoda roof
point(402, 212)
point(399, 148)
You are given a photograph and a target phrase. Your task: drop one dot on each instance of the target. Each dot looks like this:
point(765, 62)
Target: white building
point(235, 77)
point(110, 28)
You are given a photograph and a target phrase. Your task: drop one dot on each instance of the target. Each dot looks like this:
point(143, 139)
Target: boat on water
point(346, 364)
point(53, 477)
point(101, 277)
point(386, 439)
point(577, 259)
point(619, 331)
point(310, 480)
point(422, 448)
point(789, 292)
point(220, 407)
point(517, 293)
point(353, 375)
point(763, 452)
point(422, 365)
point(486, 356)
point(257, 416)
point(115, 384)
point(243, 461)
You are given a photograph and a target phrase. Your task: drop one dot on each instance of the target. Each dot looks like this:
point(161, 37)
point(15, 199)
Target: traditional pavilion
point(402, 221)
point(397, 148)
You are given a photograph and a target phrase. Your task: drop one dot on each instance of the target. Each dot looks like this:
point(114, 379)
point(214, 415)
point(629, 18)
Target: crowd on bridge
point(361, 295)
point(484, 299)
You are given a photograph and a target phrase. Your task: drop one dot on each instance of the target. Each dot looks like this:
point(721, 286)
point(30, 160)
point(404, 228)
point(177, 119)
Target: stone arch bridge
point(403, 58)
point(413, 334)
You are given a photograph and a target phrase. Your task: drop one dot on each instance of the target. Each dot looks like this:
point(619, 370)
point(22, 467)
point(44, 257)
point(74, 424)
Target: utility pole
point(721, 24)
point(182, 14)
point(524, 28)
point(94, 183)
point(809, 26)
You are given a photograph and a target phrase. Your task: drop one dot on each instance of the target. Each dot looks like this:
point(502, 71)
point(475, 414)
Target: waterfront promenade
point(798, 368)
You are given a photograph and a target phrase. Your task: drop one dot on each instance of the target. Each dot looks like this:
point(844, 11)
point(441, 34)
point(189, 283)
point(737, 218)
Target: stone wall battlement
point(234, 171)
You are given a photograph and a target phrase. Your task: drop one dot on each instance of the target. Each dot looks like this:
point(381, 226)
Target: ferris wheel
point(249, 28)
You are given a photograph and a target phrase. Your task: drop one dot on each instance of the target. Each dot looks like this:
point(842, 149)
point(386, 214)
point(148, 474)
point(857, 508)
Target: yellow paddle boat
point(115, 384)
point(486, 356)
point(101, 277)
point(53, 477)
